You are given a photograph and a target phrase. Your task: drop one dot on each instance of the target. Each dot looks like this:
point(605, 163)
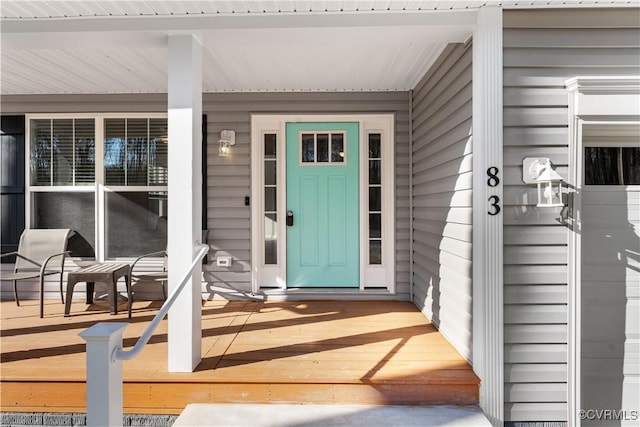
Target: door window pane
point(375, 202)
point(337, 148)
point(374, 146)
point(271, 238)
point(323, 147)
point(269, 172)
point(374, 172)
point(270, 200)
point(270, 146)
point(308, 148)
point(375, 199)
point(375, 251)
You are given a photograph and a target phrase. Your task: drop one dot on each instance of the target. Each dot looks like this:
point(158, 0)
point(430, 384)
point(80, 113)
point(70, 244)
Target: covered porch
point(304, 352)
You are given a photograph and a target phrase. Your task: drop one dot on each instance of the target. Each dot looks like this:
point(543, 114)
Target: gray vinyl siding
point(228, 179)
point(442, 187)
point(543, 49)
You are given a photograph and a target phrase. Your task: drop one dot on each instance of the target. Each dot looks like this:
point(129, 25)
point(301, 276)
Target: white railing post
point(105, 356)
point(104, 374)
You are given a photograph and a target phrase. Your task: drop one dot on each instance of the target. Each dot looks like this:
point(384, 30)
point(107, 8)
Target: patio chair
point(152, 276)
point(157, 276)
point(41, 252)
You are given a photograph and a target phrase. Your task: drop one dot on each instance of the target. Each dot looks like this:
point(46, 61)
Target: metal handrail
point(120, 354)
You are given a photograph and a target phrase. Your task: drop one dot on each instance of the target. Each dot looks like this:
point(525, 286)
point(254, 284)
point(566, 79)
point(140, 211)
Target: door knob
point(289, 218)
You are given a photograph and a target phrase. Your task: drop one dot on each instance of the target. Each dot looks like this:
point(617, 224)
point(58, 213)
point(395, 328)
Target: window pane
point(270, 172)
point(601, 166)
point(270, 238)
point(323, 147)
point(270, 145)
point(136, 223)
point(375, 203)
point(137, 131)
point(375, 225)
point(270, 199)
point(62, 152)
point(40, 152)
point(374, 172)
point(114, 151)
point(631, 165)
point(68, 210)
point(374, 146)
point(158, 152)
point(308, 148)
point(85, 151)
point(375, 252)
point(337, 148)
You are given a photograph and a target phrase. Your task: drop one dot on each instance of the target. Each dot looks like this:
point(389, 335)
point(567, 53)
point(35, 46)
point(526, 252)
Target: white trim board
point(592, 100)
point(488, 282)
point(267, 278)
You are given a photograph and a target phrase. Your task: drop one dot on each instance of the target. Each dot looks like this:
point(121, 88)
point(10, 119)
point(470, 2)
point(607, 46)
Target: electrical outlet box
point(223, 261)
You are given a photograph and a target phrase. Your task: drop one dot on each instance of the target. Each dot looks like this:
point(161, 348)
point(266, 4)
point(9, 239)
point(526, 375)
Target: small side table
point(105, 273)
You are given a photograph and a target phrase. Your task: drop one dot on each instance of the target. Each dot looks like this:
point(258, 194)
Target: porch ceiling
point(50, 47)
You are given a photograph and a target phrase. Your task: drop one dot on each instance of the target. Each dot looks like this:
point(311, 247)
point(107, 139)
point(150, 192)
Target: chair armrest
point(18, 254)
point(44, 264)
point(152, 254)
point(9, 254)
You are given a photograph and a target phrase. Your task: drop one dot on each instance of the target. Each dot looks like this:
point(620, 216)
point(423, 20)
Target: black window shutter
point(12, 181)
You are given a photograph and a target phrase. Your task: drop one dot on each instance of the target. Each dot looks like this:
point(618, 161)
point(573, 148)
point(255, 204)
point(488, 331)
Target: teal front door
point(322, 205)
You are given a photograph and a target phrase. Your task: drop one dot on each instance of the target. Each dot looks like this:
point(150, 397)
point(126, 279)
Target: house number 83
point(493, 181)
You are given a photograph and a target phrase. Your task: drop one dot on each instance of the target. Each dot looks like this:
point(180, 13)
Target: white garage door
point(610, 364)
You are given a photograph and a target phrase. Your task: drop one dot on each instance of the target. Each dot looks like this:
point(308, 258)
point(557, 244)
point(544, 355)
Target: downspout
point(411, 195)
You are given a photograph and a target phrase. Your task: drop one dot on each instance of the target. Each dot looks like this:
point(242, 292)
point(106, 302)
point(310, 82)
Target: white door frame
point(274, 276)
point(591, 100)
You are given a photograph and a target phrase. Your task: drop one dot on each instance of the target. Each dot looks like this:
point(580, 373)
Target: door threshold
point(329, 293)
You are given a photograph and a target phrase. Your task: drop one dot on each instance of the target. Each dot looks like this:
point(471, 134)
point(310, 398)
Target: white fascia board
point(190, 23)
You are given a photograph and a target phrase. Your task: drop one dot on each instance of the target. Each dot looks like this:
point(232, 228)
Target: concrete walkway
point(292, 415)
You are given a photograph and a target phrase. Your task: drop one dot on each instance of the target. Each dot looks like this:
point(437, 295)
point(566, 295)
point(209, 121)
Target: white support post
point(488, 175)
point(104, 374)
point(185, 198)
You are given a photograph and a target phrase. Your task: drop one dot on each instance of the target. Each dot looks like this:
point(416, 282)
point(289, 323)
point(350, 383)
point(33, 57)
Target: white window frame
point(372, 277)
point(98, 188)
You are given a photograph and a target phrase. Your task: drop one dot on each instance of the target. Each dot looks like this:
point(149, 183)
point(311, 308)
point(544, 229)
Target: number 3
point(494, 204)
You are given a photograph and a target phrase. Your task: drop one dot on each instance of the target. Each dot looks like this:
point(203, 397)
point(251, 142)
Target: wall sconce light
point(227, 139)
point(540, 172)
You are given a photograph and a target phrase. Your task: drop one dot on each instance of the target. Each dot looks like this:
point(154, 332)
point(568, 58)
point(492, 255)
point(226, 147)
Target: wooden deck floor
point(289, 352)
